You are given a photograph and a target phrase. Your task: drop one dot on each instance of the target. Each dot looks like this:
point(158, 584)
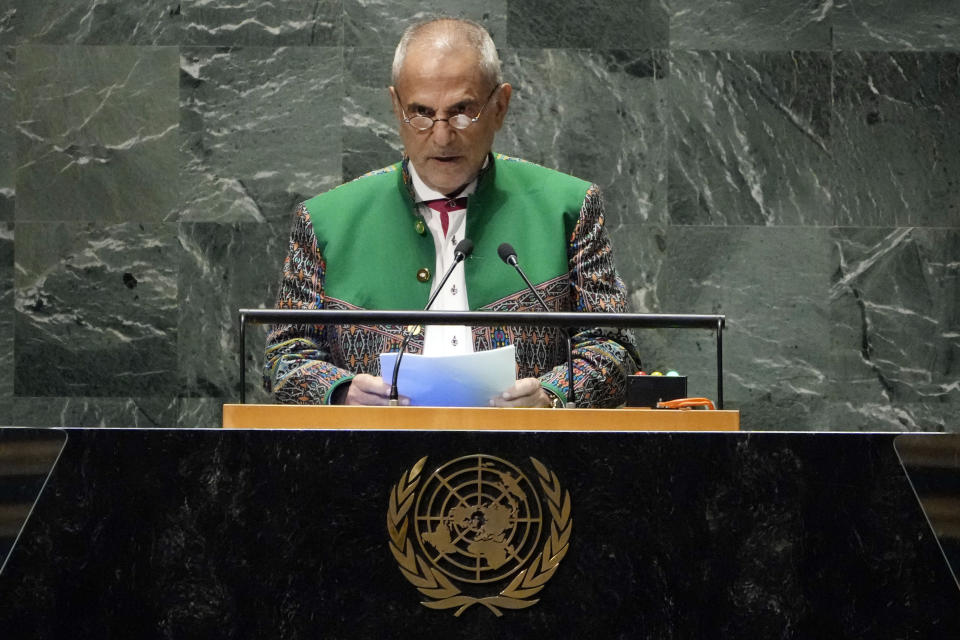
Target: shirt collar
point(423, 193)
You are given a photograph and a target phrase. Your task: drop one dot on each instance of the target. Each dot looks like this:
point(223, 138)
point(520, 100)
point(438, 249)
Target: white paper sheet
point(467, 380)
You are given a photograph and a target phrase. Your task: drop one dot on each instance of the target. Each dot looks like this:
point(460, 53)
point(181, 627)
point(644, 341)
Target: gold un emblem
point(475, 532)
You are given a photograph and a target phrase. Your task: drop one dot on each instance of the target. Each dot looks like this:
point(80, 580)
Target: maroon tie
point(444, 206)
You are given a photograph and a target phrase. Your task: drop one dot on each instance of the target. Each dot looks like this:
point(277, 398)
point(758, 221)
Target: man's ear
point(502, 103)
point(395, 103)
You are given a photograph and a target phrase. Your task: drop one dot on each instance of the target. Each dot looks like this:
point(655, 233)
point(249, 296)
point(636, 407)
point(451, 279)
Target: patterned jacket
point(360, 246)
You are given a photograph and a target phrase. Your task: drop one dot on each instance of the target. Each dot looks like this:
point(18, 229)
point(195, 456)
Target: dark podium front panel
point(284, 534)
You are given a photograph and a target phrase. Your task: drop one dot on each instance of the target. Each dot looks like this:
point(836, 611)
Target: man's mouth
point(446, 159)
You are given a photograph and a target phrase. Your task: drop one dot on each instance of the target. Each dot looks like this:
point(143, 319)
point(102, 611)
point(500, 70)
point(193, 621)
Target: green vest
point(368, 234)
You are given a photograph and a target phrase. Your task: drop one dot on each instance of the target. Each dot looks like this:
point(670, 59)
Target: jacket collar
point(483, 178)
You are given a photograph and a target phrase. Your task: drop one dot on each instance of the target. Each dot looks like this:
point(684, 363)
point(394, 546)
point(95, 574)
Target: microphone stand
point(463, 249)
point(508, 255)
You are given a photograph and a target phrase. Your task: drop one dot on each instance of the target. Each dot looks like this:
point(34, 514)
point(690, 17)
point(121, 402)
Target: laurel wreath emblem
point(441, 591)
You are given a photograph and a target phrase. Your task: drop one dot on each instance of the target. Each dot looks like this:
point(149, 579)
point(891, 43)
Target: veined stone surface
point(589, 24)
point(895, 318)
point(97, 133)
point(380, 23)
point(761, 25)
point(880, 25)
point(751, 138)
point(91, 22)
point(8, 18)
point(260, 130)
point(78, 411)
point(897, 138)
point(6, 310)
point(256, 23)
point(202, 412)
point(596, 115)
point(370, 136)
point(225, 268)
point(96, 309)
point(641, 251)
point(641, 257)
point(771, 283)
point(8, 145)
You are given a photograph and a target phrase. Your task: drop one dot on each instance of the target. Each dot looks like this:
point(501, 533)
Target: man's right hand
point(366, 389)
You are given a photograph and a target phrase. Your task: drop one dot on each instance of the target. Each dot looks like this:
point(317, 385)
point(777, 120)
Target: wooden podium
point(268, 416)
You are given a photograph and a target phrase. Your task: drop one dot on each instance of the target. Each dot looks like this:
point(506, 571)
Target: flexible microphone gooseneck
point(508, 255)
point(460, 253)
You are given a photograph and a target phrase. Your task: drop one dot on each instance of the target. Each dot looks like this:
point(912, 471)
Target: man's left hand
point(524, 393)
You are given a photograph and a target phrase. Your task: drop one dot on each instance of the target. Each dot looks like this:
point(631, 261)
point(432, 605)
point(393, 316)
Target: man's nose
point(443, 132)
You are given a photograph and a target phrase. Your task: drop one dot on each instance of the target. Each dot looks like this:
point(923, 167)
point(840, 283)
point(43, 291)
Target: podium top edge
point(254, 416)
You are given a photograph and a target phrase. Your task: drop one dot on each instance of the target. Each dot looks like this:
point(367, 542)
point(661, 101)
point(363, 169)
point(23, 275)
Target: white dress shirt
point(440, 340)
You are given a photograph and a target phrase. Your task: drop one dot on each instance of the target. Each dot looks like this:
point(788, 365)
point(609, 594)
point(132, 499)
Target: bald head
point(453, 35)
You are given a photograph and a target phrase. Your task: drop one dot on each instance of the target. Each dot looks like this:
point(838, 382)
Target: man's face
point(440, 83)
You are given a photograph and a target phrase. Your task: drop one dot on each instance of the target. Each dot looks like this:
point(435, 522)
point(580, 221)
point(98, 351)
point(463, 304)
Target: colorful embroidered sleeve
point(297, 370)
point(602, 358)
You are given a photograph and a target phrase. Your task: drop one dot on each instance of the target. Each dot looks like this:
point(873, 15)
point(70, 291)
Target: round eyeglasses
point(459, 121)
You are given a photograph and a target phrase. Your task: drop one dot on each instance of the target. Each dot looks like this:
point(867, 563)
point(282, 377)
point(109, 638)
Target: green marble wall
point(790, 164)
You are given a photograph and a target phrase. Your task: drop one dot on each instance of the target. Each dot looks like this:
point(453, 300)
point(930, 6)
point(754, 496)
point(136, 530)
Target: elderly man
point(383, 240)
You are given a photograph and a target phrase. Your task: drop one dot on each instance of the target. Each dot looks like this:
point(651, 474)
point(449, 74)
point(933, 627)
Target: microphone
point(508, 255)
point(460, 253)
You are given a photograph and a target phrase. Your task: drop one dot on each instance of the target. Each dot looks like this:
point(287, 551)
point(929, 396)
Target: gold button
point(423, 274)
point(420, 227)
